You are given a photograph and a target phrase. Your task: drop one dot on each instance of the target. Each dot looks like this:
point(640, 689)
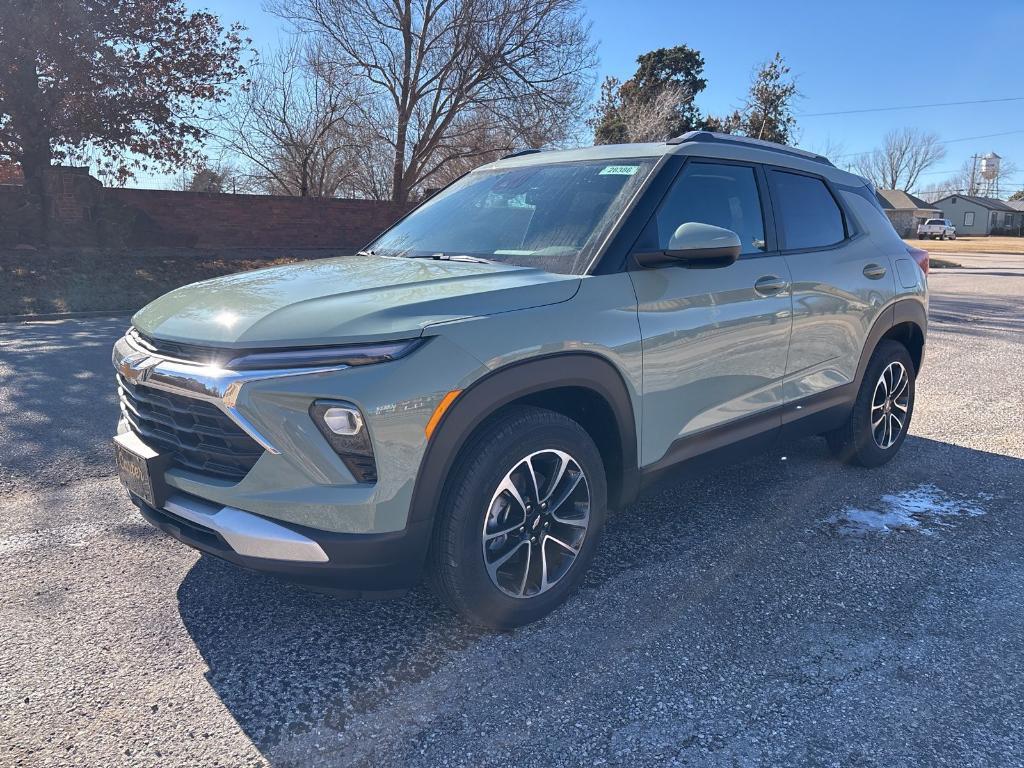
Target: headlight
point(324, 357)
point(342, 426)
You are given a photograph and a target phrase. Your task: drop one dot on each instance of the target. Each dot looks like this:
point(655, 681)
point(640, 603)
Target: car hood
point(346, 299)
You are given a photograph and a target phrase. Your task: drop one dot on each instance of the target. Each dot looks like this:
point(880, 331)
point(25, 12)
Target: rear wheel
point(881, 415)
point(520, 519)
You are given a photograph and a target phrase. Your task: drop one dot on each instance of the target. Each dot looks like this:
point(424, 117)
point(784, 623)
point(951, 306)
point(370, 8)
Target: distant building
point(905, 211)
point(973, 215)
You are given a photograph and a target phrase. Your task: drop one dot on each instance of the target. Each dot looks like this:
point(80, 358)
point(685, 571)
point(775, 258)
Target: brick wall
point(204, 220)
point(80, 212)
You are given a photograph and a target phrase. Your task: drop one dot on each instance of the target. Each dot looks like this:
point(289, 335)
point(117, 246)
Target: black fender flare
point(508, 384)
point(899, 312)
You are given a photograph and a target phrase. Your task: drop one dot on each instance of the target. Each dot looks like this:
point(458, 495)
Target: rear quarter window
point(808, 215)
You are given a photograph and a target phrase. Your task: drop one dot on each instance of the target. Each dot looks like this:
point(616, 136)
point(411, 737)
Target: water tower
point(990, 175)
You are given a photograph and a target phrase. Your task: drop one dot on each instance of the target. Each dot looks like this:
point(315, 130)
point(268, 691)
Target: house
point(973, 215)
point(905, 211)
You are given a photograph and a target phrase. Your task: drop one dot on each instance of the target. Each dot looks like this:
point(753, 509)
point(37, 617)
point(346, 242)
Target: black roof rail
point(727, 138)
point(519, 152)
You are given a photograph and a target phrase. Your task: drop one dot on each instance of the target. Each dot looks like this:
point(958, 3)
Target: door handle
point(770, 285)
point(874, 271)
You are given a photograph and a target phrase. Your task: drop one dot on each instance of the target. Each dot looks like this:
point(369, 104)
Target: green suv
point(527, 350)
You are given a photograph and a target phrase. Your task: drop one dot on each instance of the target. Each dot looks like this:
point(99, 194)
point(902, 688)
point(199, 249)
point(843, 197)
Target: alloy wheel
point(535, 523)
point(890, 405)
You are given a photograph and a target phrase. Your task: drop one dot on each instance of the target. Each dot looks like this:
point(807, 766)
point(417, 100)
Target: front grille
point(197, 435)
point(175, 350)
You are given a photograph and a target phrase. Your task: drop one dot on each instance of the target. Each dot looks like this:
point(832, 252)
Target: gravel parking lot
point(788, 611)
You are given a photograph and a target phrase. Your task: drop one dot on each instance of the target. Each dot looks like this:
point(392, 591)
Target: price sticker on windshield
point(619, 170)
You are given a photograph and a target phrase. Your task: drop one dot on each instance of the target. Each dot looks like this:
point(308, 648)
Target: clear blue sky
point(845, 55)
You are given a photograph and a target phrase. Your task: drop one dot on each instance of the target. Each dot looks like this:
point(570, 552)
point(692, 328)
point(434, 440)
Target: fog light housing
point(343, 420)
point(343, 427)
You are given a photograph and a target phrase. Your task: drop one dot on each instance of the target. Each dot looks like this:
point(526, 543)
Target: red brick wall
point(198, 219)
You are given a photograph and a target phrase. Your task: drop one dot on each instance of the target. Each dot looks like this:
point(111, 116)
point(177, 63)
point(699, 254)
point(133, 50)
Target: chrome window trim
point(212, 384)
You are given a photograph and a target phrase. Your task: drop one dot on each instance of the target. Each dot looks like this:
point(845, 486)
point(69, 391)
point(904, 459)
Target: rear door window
point(806, 212)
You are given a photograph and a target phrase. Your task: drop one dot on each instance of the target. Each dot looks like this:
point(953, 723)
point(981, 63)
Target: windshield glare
point(552, 217)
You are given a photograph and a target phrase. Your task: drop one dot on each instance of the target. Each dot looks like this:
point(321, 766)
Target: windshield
point(938, 222)
point(553, 217)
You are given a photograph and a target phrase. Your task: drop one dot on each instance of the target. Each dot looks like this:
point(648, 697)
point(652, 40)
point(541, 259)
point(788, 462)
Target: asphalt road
point(788, 611)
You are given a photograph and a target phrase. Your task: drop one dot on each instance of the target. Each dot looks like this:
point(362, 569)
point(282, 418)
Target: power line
point(908, 106)
point(946, 141)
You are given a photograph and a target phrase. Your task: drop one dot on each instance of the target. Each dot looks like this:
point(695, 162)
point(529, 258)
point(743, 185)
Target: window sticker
point(619, 170)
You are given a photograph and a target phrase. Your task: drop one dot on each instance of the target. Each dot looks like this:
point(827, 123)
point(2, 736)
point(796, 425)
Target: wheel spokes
point(536, 523)
point(533, 477)
point(563, 464)
point(492, 567)
point(890, 405)
point(526, 570)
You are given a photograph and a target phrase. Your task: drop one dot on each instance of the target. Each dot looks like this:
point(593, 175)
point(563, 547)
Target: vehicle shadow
point(286, 661)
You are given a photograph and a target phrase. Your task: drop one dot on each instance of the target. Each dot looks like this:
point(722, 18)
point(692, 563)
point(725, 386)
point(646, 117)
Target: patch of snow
point(920, 509)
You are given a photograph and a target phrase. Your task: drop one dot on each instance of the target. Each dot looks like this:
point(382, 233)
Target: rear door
point(842, 282)
point(714, 340)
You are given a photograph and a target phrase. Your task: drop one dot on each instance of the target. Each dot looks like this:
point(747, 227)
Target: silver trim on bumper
point(246, 533)
point(209, 383)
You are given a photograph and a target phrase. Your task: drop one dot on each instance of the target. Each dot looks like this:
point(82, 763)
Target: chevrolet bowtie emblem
point(136, 367)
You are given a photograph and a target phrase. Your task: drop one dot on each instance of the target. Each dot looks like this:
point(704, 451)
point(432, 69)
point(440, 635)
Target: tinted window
point(722, 195)
point(806, 211)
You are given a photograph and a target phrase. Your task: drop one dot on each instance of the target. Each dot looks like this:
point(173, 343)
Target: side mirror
point(696, 245)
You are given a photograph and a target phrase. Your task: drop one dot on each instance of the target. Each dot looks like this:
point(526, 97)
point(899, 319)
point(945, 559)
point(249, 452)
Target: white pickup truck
point(936, 229)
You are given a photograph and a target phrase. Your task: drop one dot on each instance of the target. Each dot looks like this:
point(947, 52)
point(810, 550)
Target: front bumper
point(353, 565)
point(298, 512)
point(299, 479)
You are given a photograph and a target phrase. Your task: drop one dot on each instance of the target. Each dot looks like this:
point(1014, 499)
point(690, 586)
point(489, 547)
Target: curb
point(67, 315)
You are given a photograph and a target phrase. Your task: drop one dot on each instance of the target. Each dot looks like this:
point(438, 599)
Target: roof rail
point(726, 138)
point(519, 152)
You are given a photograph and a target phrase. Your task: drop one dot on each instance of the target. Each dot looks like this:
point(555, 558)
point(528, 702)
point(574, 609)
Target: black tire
point(856, 442)
point(457, 569)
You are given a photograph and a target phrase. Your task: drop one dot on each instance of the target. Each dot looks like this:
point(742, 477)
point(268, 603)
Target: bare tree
point(221, 176)
point(904, 156)
point(293, 125)
point(639, 114)
point(833, 149)
point(969, 181)
point(437, 69)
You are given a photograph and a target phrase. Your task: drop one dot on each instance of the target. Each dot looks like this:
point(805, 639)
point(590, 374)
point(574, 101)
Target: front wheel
point(520, 519)
point(878, 423)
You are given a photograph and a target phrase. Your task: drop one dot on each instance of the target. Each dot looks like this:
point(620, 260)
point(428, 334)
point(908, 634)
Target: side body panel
point(714, 349)
point(600, 319)
point(835, 305)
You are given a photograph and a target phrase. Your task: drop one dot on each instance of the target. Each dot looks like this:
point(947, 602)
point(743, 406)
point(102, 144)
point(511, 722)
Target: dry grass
point(1014, 245)
point(87, 280)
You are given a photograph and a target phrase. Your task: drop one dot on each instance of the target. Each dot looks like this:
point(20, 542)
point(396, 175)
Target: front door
point(714, 340)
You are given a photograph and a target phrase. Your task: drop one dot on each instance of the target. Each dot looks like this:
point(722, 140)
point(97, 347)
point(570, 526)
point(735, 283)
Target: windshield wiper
point(366, 253)
point(459, 257)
